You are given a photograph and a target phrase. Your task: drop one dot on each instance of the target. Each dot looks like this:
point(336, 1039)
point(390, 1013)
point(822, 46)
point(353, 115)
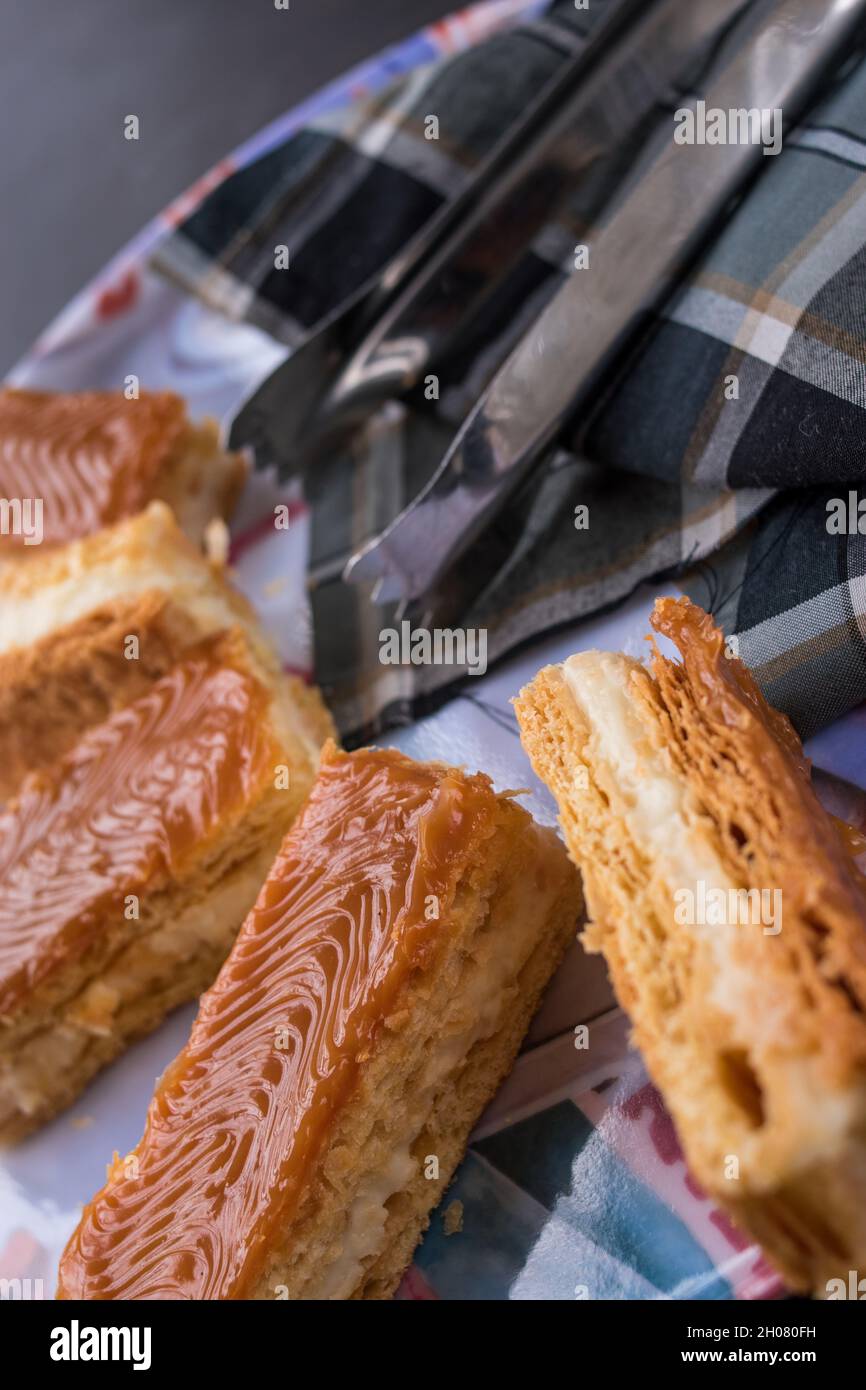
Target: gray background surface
point(201, 75)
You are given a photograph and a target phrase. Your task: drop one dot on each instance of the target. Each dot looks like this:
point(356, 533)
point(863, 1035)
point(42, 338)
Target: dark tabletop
point(201, 75)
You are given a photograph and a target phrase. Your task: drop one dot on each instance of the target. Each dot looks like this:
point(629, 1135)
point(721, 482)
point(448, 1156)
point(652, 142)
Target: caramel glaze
point(93, 457)
point(237, 1121)
point(853, 839)
point(123, 811)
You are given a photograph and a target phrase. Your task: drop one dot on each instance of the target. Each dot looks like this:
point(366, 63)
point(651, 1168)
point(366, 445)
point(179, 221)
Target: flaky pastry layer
point(678, 787)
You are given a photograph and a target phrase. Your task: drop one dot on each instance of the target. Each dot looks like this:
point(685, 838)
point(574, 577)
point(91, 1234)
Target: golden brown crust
point(93, 457)
point(313, 713)
point(200, 480)
point(495, 896)
point(52, 691)
point(68, 662)
point(86, 1013)
point(124, 990)
point(64, 618)
point(334, 1205)
point(746, 766)
point(151, 543)
point(462, 1102)
point(756, 1038)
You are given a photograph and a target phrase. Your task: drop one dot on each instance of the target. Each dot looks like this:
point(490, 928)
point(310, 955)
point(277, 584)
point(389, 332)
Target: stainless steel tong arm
point(633, 263)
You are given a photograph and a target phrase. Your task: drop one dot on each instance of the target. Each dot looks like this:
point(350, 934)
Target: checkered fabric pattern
point(717, 452)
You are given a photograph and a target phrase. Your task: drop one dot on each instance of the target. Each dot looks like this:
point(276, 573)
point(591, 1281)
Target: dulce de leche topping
point(123, 812)
point(91, 457)
point(853, 839)
point(239, 1118)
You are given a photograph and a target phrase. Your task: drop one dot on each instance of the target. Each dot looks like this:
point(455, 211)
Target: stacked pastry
point(156, 758)
point(733, 920)
point(375, 997)
point(152, 752)
point(86, 627)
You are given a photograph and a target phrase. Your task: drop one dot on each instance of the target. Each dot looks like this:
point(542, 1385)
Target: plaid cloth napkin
point(728, 449)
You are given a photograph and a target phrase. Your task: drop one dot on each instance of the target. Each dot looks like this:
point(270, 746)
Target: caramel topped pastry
point(126, 869)
point(93, 457)
point(87, 627)
point(731, 913)
point(124, 812)
point(374, 998)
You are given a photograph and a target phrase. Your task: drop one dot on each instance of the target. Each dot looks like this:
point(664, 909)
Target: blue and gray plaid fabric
point(718, 451)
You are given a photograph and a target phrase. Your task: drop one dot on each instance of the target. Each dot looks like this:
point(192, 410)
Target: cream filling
point(85, 586)
point(653, 805)
point(483, 998)
point(367, 1219)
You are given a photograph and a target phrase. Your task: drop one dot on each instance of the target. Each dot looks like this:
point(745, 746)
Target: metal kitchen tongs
point(286, 411)
point(635, 259)
point(664, 49)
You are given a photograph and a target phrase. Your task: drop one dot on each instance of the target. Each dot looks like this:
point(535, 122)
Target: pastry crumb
point(452, 1218)
point(216, 542)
